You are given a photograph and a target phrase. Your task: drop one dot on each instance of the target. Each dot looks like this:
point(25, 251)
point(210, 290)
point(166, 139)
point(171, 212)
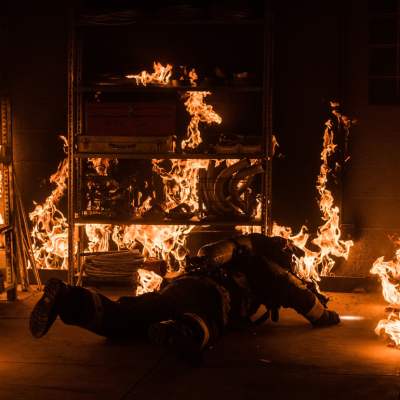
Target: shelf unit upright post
point(267, 148)
point(75, 117)
point(6, 170)
point(10, 285)
point(71, 131)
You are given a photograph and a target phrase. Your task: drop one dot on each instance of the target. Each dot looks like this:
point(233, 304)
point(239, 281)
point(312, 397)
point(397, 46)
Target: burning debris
point(160, 76)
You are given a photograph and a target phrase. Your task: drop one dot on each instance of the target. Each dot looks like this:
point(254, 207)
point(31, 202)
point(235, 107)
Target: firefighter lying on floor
point(226, 282)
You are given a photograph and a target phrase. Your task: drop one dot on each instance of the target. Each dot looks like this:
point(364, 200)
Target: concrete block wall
point(372, 189)
point(38, 83)
point(322, 55)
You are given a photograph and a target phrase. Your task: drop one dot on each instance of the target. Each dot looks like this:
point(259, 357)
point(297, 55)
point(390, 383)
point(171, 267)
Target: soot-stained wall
point(317, 60)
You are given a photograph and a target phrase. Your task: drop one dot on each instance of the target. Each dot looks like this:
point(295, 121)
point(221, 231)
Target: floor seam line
point(144, 377)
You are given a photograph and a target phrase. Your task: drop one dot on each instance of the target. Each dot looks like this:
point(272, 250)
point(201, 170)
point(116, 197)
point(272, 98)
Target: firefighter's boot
point(48, 307)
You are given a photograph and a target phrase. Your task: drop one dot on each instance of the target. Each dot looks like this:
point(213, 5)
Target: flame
point(101, 164)
point(328, 235)
point(199, 111)
point(193, 77)
point(391, 327)
point(162, 241)
point(180, 182)
point(328, 239)
point(257, 229)
point(50, 228)
point(149, 281)
point(160, 76)
point(99, 237)
point(389, 272)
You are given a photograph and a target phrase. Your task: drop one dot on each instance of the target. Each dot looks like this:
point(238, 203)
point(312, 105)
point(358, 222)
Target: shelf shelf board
point(168, 89)
point(169, 156)
point(142, 221)
point(249, 21)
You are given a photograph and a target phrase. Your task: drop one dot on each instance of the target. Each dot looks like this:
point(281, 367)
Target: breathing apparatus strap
point(239, 248)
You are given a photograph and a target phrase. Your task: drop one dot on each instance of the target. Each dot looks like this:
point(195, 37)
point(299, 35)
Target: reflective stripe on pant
point(202, 327)
point(97, 319)
point(290, 291)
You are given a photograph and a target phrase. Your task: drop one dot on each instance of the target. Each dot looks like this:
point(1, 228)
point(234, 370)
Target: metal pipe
point(243, 188)
point(243, 174)
point(218, 207)
point(203, 190)
point(222, 177)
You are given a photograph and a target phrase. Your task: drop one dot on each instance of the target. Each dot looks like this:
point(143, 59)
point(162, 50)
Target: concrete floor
point(287, 360)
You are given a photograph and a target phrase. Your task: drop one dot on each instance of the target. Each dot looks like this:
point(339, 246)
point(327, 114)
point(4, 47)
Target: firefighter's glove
point(328, 318)
point(275, 312)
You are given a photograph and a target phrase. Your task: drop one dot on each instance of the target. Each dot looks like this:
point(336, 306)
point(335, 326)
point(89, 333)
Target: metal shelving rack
point(75, 114)
point(9, 284)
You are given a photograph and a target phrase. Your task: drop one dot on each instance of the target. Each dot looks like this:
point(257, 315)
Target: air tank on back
point(218, 253)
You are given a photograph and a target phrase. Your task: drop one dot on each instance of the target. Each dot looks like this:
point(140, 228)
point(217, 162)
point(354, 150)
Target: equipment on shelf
point(126, 13)
point(238, 144)
point(232, 9)
point(113, 17)
point(181, 212)
point(125, 144)
point(126, 128)
point(130, 119)
point(105, 197)
point(119, 264)
point(111, 264)
point(156, 212)
point(241, 202)
point(184, 10)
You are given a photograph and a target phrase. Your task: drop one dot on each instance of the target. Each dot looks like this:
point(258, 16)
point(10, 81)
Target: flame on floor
point(389, 273)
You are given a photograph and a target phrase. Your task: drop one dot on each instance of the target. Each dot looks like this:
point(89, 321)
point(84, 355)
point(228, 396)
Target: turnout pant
point(199, 301)
point(193, 301)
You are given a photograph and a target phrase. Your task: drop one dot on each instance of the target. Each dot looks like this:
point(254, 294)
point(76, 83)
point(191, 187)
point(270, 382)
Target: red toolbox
point(130, 119)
